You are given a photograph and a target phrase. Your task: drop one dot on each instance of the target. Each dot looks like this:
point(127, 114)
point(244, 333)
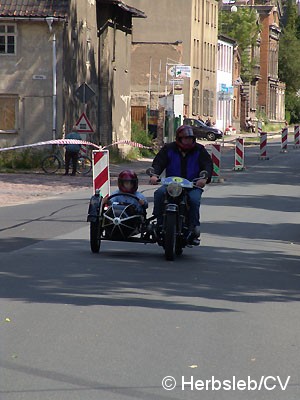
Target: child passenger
point(128, 183)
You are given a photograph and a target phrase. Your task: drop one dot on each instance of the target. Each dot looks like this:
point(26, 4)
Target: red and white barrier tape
point(74, 141)
point(130, 143)
point(51, 142)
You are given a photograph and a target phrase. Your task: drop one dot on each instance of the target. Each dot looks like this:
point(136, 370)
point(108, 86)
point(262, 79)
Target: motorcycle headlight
point(174, 189)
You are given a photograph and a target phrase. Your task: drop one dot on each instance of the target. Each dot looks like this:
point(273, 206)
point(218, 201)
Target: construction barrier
point(239, 155)
point(101, 178)
point(216, 158)
point(296, 137)
point(263, 146)
point(259, 127)
point(284, 140)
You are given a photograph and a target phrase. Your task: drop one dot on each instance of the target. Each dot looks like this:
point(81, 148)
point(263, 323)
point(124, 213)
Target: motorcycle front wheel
point(170, 236)
point(95, 237)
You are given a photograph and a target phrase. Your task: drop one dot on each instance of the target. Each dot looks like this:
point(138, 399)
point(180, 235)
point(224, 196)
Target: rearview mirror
point(150, 171)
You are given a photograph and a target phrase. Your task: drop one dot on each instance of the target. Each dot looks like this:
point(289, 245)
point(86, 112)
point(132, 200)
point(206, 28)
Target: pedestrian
point(183, 158)
point(72, 151)
point(208, 122)
point(250, 125)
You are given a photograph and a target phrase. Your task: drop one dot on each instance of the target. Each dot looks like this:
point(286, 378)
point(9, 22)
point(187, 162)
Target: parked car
point(202, 131)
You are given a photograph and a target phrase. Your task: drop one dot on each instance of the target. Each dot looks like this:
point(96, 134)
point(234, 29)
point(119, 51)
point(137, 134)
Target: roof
point(132, 10)
point(34, 8)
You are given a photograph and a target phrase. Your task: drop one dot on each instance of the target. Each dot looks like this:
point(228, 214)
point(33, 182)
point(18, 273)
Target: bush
point(26, 159)
point(139, 135)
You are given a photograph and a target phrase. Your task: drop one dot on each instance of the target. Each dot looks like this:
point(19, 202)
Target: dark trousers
point(194, 200)
point(70, 155)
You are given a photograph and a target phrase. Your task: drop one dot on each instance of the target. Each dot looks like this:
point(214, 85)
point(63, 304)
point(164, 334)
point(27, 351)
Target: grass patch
point(27, 159)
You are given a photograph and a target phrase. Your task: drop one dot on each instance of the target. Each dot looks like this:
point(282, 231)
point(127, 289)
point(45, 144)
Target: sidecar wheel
point(95, 237)
point(170, 236)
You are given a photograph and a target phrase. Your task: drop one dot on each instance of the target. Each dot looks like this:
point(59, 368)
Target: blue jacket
point(73, 148)
point(188, 165)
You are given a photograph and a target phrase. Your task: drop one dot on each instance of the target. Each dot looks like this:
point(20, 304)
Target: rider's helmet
point(128, 181)
point(185, 131)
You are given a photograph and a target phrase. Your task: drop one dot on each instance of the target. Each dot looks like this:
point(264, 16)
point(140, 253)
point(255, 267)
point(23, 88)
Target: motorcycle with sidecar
point(121, 221)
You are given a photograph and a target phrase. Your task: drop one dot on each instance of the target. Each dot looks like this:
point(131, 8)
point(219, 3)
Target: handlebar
point(203, 175)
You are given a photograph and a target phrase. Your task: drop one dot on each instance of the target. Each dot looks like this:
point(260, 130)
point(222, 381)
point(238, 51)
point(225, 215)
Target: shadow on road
point(119, 277)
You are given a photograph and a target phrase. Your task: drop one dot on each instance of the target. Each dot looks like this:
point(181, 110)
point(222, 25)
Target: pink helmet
point(128, 176)
point(182, 132)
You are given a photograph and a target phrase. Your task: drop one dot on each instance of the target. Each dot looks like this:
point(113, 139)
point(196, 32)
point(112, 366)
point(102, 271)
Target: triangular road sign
point(84, 124)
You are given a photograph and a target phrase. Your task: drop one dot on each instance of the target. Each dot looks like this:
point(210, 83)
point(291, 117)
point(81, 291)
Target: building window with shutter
point(8, 114)
point(206, 102)
point(8, 35)
point(195, 103)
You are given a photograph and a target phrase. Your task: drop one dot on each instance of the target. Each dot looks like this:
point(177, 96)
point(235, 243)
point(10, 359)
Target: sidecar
point(120, 221)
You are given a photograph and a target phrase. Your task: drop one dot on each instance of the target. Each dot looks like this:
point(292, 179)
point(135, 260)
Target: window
point(196, 98)
point(8, 110)
point(195, 103)
point(207, 12)
point(205, 102)
point(8, 39)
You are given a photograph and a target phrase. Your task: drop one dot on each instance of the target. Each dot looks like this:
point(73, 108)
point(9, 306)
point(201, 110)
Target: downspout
point(99, 87)
point(54, 78)
point(100, 33)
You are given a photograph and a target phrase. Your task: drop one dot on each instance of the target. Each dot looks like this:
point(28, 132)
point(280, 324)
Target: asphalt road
point(76, 325)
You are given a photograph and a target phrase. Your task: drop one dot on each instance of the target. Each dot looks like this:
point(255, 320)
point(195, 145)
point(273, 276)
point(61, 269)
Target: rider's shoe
point(193, 237)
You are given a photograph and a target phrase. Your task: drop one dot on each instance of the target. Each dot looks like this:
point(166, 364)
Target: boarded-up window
point(8, 107)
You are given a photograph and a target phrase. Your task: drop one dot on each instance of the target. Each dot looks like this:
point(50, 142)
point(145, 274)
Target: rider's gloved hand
point(201, 183)
point(153, 180)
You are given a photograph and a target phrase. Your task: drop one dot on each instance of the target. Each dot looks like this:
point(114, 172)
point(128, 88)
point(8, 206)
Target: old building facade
point(189, 28)
point(47, 51)
point(271, 92)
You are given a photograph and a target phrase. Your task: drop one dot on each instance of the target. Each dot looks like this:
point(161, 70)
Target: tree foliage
point(289, 59)
point(243, 26)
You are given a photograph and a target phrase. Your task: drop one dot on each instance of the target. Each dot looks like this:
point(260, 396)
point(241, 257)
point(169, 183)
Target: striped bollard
point(259, 128)
point(239, 155)
point(263, 146)
point(216, 159)
point(101, 178)
point(284, 140)
point(83, 150)
point(297, 137)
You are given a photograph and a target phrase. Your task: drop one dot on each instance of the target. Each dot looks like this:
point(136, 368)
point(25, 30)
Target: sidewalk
point(139, 167)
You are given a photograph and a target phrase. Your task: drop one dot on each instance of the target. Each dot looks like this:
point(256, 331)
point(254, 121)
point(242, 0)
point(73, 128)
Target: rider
point(128, 183)
point(184, 158)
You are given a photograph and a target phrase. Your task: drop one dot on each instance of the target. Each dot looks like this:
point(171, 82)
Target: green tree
point(289, 59)
point(243, 26)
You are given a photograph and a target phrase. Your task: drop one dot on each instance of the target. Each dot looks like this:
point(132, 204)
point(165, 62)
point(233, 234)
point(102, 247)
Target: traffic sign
point(84, 125)
point(84, 93)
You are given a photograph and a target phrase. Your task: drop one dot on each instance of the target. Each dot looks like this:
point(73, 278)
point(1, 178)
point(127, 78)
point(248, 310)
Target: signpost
point(84, 125)
point(84, 93)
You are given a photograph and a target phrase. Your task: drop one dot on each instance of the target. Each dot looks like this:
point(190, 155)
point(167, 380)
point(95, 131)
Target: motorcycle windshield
point(178, 180)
